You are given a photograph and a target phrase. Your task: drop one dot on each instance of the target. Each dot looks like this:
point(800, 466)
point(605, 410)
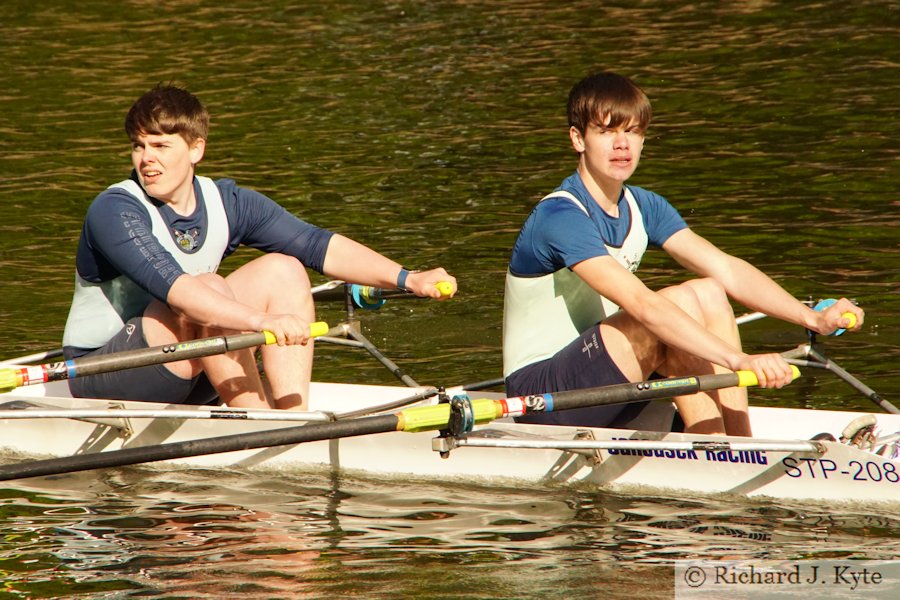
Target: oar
point(635, 445)
point(367, 296)
point(822, 305)
point(228, 414)
point(36, 411)
point(415, 419)
point(363, 296)
point(12, 378)
point(330, 290)
point(30, 358)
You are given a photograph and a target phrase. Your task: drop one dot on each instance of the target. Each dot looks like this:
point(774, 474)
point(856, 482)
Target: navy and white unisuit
point(133, 248)
point(546, 305)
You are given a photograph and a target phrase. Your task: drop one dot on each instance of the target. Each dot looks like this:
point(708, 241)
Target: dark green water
point(428, 130)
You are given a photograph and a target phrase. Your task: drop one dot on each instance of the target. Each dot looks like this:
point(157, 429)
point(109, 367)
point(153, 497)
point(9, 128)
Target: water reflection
point(211, 533)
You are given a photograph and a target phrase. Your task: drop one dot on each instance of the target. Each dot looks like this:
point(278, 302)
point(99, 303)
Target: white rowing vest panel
point(541, 315)
point(100, 310)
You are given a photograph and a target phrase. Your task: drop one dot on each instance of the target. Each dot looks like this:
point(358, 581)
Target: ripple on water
point(225, 532)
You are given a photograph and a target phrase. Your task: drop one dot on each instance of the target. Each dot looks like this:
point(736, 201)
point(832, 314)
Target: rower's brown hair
point(168, 109)
point(608, 95)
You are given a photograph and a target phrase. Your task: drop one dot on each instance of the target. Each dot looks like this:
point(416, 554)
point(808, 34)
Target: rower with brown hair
point(146, 272)
point(577, 316)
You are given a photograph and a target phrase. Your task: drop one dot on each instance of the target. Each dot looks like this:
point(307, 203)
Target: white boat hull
point(841, 472)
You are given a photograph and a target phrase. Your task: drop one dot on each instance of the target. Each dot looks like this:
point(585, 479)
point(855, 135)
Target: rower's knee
point(216, 282)
point(704, 299)
point(711, 295)
point(283, 270)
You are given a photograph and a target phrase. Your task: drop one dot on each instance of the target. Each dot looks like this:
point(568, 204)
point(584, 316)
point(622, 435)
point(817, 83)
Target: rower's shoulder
point(114, 201)
point(644, 196)
point(565, 206)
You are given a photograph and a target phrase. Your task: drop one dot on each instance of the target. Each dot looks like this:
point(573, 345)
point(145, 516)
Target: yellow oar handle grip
point(444, 287)
point(850, 317)
point(748, 378)
point(8, 380)
point(316, 329)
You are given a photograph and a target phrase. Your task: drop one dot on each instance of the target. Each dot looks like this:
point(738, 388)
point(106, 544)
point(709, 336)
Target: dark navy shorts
point(154, 383)
point(584, 363)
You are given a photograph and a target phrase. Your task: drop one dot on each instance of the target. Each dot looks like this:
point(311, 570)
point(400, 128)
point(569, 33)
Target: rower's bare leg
point(279, 284)
point(233, 374)
point(705, 300)
point(638, 353)
point(714, 311)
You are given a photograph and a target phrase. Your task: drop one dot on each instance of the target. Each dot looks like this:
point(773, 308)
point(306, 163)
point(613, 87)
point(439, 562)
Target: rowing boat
point(780, 461)
point(795, 453)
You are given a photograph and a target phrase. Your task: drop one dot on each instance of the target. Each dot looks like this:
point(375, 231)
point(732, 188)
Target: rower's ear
point(198, 147)
point(577, 139)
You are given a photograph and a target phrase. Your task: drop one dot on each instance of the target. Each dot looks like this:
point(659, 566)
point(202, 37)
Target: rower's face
point(610, 153)
point(165, 163)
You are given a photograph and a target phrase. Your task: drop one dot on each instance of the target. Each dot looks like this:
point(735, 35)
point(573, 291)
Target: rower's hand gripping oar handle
point(316, 329)
point(444, 287)
point(373, 298)
point(14, 377)
point(851, 318)
point(749, 379)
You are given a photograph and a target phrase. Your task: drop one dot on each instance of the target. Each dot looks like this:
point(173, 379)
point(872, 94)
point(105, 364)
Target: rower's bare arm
point(658, 314)
point(754, 289)
point(203, 304)
point(673, 326)
point(348, 260)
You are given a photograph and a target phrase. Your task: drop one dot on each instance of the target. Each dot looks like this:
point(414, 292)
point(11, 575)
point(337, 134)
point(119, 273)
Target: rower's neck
point(183, 202)
point(605, 194)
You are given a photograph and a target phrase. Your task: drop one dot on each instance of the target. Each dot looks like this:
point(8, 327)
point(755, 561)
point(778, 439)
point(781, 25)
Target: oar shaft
point(636, 445)
point(367, 296)
point(226, 414)
point(140, 357)
point(11, 378)
point(428, 418)
point(369, 292)
point(644, 390)
point(230, 443)
point(84, 366)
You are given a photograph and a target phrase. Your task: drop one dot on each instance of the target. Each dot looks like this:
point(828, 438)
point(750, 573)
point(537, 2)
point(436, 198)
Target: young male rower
point(146, 272)
point(575, 314)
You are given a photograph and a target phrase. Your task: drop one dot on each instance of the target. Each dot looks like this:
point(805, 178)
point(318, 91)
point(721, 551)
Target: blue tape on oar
point(367, 297)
